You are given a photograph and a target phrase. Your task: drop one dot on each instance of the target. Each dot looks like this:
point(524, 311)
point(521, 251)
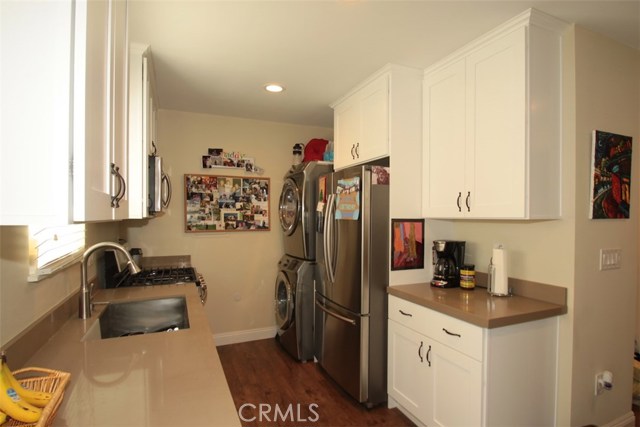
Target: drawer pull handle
point(405, 314)
point(428, 353)
point(451, 333)
point(420, 351)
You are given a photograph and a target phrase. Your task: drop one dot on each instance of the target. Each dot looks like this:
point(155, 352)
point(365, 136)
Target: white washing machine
point(294, 306)
point(297, 208)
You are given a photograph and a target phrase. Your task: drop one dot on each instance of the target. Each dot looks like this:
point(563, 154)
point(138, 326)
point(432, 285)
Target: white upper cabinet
point(64, 112)
point(35, 112)
point(492, 125)
point(368, 118)
point(361, 123)
point(142, 107)
point(99, 112)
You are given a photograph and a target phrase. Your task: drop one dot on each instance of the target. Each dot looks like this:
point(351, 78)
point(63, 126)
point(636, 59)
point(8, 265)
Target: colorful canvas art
point(610, 175)
point(407, 249)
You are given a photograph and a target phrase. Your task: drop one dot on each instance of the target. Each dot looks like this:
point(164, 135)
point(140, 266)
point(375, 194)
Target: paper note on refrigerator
point(348, 199)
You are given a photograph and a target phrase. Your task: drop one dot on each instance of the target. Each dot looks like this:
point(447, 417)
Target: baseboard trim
point(392, 403)
point(236, 337)
point(626, 420)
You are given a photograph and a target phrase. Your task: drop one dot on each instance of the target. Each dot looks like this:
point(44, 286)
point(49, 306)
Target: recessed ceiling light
point(273, 87)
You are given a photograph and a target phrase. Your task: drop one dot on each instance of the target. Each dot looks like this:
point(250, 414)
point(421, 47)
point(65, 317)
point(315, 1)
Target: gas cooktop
point(162, 276)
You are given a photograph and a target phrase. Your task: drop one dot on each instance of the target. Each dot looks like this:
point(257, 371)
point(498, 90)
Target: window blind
point(53, 248)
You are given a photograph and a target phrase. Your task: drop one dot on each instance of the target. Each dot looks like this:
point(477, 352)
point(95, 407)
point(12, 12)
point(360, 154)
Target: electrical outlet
point(604, 382)
point(599, 384)
point(610, 259)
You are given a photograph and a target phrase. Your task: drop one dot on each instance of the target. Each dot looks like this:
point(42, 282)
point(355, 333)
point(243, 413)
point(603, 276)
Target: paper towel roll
point(500, 263)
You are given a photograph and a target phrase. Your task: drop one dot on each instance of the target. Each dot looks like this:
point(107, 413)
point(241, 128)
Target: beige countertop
point(477, 306)
point(161, 379)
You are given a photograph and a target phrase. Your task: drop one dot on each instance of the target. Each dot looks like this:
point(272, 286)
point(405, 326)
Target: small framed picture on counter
point(407, 244)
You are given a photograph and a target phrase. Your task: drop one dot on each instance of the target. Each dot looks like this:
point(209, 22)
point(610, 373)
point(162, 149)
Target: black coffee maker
point(448, 257)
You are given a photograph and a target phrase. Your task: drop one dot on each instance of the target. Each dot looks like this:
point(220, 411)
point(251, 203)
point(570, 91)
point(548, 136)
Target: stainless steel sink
point(128, 318)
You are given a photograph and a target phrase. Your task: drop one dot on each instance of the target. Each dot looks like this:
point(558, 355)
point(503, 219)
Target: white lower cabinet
point(408, 371)
point(456, 388)
point(443, 371)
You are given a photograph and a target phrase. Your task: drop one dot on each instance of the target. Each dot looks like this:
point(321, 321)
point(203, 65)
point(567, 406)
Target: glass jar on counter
point(468, 277)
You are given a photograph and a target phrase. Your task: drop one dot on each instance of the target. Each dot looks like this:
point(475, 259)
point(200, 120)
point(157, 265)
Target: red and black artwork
point(611, 175)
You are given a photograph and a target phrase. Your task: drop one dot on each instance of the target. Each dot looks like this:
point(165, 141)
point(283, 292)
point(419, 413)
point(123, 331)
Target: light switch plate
point(610, 259)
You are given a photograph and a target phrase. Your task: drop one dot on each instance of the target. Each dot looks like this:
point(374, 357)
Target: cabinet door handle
point(357, 149)
point(428, 356)
point(452, 333)
point(122, 186)
point(114, 197)
point(353, 148)
point(405, 314)
point(466, 202)
point(420, 352)
point(458, 202)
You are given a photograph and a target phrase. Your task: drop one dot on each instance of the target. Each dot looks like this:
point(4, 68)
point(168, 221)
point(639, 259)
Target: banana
point(36, 398)
point(12, 405)
point(3, 417)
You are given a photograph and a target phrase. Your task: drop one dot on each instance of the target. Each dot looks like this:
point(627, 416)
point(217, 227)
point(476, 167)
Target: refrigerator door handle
point(329, 238)
point(325, 239)
point(337, 316)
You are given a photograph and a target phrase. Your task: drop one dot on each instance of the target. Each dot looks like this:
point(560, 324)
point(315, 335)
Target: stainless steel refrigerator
point(352, 255)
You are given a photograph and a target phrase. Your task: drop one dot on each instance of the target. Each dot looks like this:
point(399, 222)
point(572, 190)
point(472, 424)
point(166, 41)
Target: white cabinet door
point(81, 122)
point(444, 142)
point(361, 123)
point(474, 115)
point(347, 133)
point(99, 146)
point(141, 131)
point(119, 101)
point(509, 118)
point(92, 183)
point(408, 369)
point(496, 164)
point(456, 388)
point(35, 112)
point(374, 104)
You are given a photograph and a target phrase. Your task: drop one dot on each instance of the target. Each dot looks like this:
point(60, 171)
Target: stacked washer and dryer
point(294, 291)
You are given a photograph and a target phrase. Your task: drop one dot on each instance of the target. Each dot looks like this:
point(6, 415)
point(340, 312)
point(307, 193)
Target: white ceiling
point(214, 56)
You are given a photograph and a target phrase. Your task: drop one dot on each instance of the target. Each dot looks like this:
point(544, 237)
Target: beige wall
point(607, 98)
point(21, 302)
point(240, 268)
point(601, 91)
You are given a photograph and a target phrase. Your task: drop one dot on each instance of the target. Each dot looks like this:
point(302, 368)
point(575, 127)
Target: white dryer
point(297, 208)
point(294, 307)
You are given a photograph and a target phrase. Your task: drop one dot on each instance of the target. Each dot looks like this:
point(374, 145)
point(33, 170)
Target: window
point(54, 248)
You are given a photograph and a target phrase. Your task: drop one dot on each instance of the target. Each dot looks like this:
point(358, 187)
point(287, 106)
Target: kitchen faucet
point(85, 307)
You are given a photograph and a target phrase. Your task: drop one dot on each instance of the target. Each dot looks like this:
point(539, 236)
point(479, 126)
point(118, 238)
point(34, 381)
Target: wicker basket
point(47, 380)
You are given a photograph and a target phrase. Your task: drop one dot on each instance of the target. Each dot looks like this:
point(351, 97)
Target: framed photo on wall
point(226, 203)
point(407, 244)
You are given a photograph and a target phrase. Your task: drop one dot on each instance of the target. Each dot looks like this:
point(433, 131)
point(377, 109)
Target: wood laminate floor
point(270, 388)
